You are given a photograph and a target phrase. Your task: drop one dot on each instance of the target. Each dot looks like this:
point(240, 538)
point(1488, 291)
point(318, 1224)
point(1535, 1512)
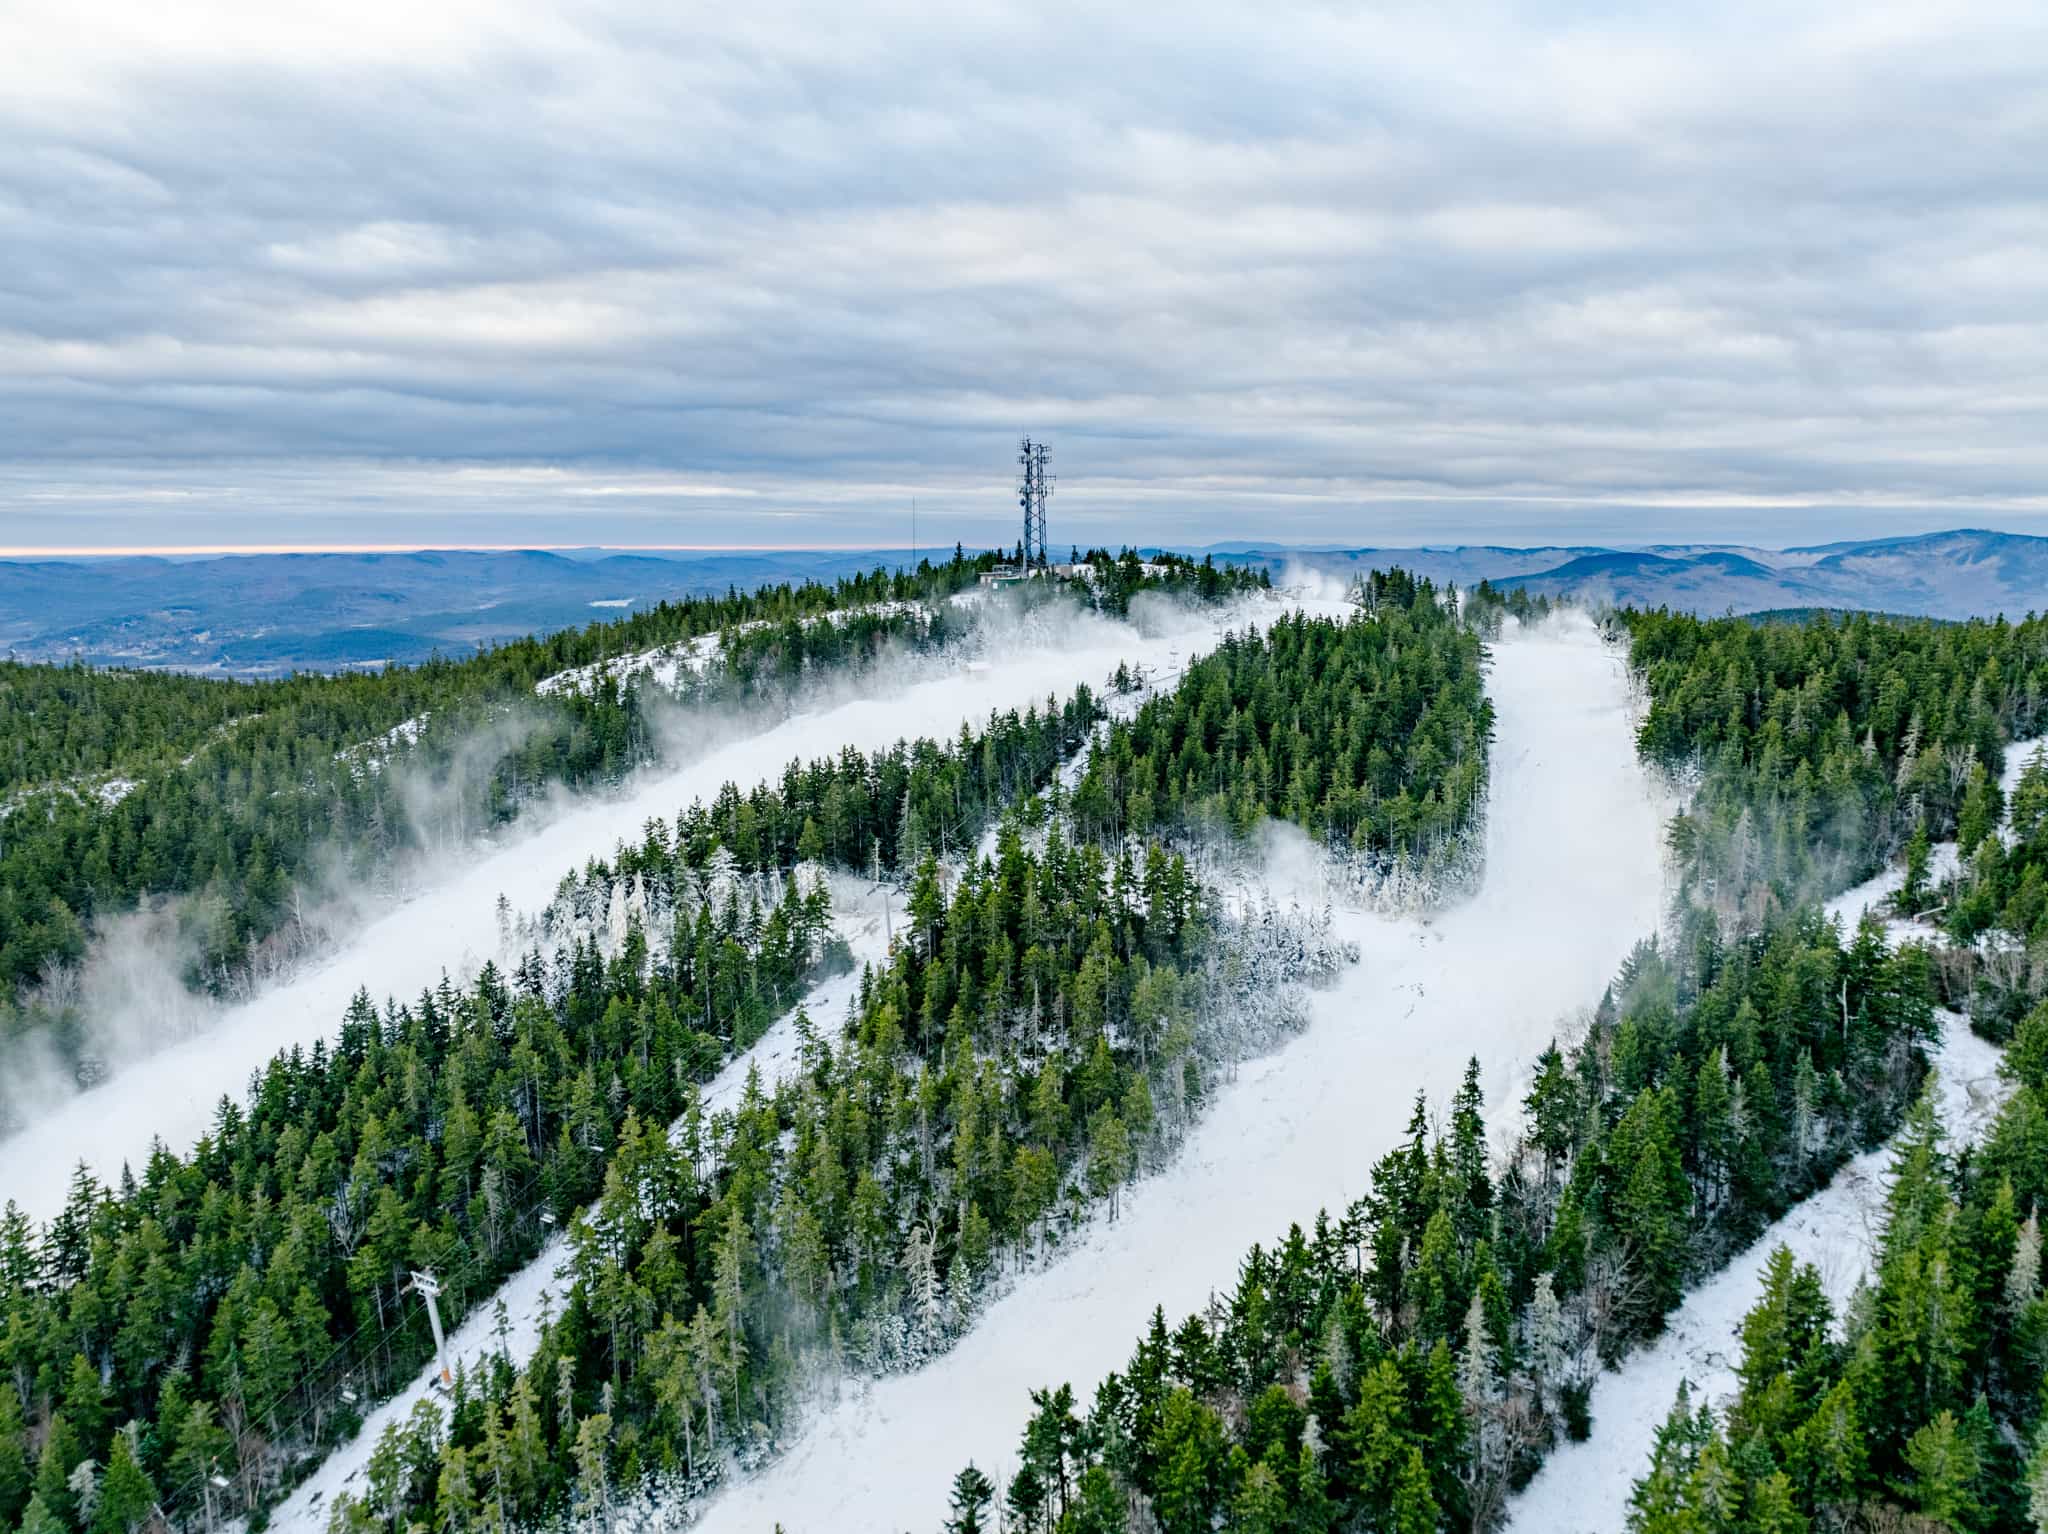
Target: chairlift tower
point(214, 1482)
point(1033, 486)
point(430, 1286)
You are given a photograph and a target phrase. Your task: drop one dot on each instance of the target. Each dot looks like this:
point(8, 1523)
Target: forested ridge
point(68, 724)
point(239, 789)
point(1050, 1020)
point(1009, 1052)
point(1828, 749)
point(1994, 908)
point(1368, 733)
point(1732, 1078)
point(1919, 1407)
point(1820, 748)
point(878, 812)
point(222, 1301)
point(344, 1160)
point(1404, 1365)
point(1045, 1033)
point(239, 795)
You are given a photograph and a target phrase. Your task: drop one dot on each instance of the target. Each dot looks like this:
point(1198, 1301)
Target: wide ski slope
point(1573, 878)
point(510, 1323)
point(451, 925)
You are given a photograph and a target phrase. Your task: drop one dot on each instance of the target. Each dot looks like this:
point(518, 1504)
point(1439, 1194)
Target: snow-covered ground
point(1574, 877)
point(2018, 757)
point(371, 755)
point(1875, 894)
point(109, 792)
point(1584, 1487)
point(451, 925)
point(861, 918)
point(666, 665)
point(114, 790)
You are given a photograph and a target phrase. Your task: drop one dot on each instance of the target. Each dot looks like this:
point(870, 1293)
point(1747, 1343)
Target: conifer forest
point(785, 1095)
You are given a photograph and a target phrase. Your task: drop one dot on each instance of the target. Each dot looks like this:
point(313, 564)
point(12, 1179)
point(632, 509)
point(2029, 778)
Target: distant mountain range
point(253, 615)
point(1960, 574)
point(260, 614)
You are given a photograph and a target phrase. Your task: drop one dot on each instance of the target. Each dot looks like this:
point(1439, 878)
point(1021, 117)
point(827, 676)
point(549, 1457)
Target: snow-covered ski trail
point(538, 1289)
point(452, 925)
point(861, 916)
point(1574, 877)
point(1584, 1488)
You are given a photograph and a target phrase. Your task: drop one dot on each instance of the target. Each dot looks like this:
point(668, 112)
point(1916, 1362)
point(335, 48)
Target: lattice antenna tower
point(1033, 486)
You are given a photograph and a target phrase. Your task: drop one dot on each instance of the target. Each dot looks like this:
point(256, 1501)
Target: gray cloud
point(620, 272)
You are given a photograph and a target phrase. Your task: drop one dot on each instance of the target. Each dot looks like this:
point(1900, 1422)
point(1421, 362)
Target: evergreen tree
point(39, 1518)
point(15, 1476)
point(1943, 1467)
point(126, 1497)
point(972, 1493)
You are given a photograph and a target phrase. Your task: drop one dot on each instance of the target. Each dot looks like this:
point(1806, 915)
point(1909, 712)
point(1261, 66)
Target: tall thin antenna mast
point(1033, 486)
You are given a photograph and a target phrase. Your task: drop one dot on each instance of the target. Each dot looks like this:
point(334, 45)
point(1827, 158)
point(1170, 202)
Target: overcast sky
point(634, 272)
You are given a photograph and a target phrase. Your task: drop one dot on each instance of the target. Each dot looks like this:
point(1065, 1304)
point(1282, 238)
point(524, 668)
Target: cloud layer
point(443, 270)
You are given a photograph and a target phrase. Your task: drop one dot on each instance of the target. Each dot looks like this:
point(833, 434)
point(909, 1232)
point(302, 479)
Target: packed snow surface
point(667, 665)
point(451, 926)
point(1574, 877)
point(1875, 895)
point(861, 917)
point(1584, 1488)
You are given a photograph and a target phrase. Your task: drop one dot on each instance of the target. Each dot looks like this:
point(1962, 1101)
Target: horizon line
point(164, 551)
point(20, 552)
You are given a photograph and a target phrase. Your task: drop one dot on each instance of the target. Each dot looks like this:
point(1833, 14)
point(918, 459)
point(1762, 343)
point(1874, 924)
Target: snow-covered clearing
point(1574, 877)
point(109, 792)
point(451, 925)
point(371, 755)
point(114, 790)
point(665, 666)
point(859, 916)
point(1583, 1488)
point(1875, 894)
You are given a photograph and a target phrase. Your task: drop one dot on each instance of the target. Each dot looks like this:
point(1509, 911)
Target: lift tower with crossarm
point(429, 1287)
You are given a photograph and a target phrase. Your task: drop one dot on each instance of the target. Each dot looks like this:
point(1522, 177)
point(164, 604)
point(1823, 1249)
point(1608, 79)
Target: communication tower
point(1033, 486)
